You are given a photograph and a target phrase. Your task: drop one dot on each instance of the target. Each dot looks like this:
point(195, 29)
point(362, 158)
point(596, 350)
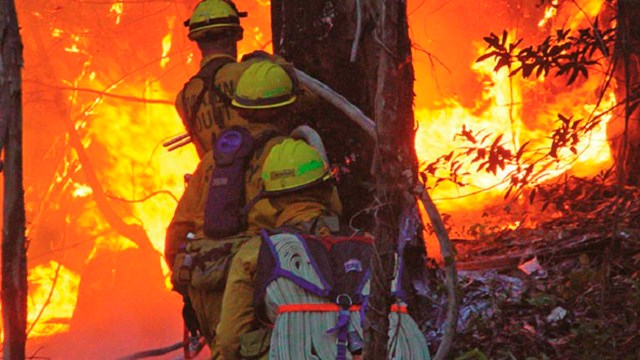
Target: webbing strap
point(399, 308)
point(329, 307)
point(281, 272)
point(207, 74)
point(343, 319)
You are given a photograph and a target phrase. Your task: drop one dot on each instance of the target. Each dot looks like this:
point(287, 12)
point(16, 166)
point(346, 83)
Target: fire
point(122, 110)
point(166, 43)
point(117, 8)
point(53, 291)
point(522, 110)
point(502, 109)
point(81, 190)
point(140, 170)
point(549, 13)
point(116, 88)
point(505, 108)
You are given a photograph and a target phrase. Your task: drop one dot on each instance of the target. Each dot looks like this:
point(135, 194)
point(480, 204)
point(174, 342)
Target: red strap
point(313, 308)
point(399, 308)
point(329, 241)
point(330, 308)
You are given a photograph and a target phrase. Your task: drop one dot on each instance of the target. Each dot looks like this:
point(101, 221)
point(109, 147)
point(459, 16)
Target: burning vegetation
point(526, 130)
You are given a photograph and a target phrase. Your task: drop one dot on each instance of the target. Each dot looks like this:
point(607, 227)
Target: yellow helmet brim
point(249, 104)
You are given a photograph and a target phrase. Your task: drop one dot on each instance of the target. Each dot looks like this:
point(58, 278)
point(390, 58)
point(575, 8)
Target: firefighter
point(215, 26)
point(297, 183)
point(224, 206)
point(282, 274)
point(204, 104)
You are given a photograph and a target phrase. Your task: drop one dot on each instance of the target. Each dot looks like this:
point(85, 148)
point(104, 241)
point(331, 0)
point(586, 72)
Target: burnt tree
point(626, 59)
point(396, 163)
point(363, 51)
point(14, 254)
point(318, 37)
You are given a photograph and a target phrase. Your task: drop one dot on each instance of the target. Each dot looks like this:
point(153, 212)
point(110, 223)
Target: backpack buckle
point(344, 301)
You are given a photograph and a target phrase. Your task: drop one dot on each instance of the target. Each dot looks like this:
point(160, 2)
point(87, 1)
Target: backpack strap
point(258, 146)
point(319, 286)
point(208, 76)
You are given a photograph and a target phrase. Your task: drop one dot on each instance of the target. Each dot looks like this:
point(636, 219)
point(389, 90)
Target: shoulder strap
point(207, 74)
point(294, 260)
point(258, 146)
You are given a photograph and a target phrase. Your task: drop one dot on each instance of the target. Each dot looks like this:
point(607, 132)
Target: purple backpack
point(225, 213)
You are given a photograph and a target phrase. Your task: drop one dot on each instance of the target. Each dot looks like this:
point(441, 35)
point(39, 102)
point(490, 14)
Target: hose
point(303, 334)
point(298, 335)
point(406, 341)
point(312, 138)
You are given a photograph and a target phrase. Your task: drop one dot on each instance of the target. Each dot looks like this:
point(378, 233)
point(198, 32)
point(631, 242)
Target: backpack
point(226, 210)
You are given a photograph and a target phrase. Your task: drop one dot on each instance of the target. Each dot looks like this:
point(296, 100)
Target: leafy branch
point(489, 153)
point(566, 53)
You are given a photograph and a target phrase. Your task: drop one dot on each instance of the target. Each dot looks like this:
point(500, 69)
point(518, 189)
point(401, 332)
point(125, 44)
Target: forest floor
point(568, 288)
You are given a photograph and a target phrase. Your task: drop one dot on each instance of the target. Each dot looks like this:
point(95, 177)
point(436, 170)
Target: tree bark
point(14, 253)
point(625, 130)
point(395, 165)
point(362, 51)
point(318, 37)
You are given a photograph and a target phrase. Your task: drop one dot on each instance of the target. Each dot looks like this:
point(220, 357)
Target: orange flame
point(117, 8)
point(521, 110)
point(53, 291)
point(124, 128)
point(549, 12)
point(166, 43)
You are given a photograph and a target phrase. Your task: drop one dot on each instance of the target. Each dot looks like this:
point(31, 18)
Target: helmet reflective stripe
point(263, 85)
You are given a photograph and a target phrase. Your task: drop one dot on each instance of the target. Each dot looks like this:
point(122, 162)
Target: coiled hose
point(304, 335)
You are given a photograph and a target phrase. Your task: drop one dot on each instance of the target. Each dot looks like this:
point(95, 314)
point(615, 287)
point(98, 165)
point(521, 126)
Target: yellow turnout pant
point(237, 315)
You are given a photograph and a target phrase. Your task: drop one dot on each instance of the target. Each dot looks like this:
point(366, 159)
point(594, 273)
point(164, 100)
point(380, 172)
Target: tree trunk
point(14, 254)
point(395, 167)
point(362, 50)
point(625, 130)
point(318, 37)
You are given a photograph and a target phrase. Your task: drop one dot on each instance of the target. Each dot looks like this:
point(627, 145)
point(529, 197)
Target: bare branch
point(339, 102)
point(104, 93)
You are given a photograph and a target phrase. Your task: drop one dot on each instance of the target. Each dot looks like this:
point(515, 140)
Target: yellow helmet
point(293, 165)
point(211, 16)
point(264, 85)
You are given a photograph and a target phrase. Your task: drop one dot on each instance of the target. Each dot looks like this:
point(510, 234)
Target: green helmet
point(213, 16)
point(293, 165)
point(264, 85)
